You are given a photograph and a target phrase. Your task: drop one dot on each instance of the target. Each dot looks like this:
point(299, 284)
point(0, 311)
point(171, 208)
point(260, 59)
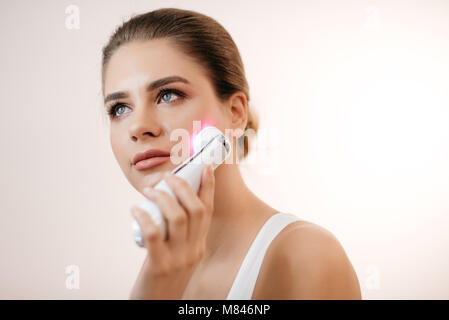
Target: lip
point(150, 153)
point(150, 162)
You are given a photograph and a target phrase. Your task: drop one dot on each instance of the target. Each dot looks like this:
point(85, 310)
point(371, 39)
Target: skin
point(225, 213)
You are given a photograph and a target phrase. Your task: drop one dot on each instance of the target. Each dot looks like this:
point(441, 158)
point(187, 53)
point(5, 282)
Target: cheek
point(215, 118)
point(212, 114)
point(118, 147)
point(195, 115)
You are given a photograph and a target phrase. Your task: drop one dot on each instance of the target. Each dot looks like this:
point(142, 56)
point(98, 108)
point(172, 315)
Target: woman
point(162, 71)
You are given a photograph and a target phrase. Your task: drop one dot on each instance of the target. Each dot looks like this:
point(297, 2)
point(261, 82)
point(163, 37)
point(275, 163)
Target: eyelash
point(113, 108)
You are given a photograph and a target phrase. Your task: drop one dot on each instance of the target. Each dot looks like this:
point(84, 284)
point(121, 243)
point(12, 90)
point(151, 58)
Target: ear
point(238, 111)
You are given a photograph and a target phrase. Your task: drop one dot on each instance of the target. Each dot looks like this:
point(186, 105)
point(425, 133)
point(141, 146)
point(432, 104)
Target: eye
point(166, 95)
point(112, 111)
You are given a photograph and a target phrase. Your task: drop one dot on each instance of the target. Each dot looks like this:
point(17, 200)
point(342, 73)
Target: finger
point(151, 234)
point(173, 212)
point(190, 202)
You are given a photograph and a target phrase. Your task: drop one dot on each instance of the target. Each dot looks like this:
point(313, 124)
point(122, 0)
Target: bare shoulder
point(306, 261)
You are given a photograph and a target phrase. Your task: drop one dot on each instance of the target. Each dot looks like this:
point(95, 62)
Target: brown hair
point(198, 36)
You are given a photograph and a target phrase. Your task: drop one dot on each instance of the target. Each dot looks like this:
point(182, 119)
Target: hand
point(170, 264)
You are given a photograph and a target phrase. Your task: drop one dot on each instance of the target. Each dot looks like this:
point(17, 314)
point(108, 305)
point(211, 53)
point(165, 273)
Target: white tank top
point(245, 281)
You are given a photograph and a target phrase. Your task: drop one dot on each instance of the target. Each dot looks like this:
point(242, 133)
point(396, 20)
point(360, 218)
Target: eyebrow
point(153, 85)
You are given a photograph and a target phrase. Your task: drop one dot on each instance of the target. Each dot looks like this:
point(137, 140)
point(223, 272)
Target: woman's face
point(144, 116)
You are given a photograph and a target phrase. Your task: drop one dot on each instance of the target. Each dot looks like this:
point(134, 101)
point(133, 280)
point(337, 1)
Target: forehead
point(139, 62)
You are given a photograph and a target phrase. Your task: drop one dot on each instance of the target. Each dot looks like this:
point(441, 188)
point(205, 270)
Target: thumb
point(207, 187)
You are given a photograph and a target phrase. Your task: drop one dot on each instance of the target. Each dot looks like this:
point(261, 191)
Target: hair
point(201, 38)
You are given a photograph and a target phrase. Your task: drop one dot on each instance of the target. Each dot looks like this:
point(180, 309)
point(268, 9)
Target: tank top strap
point(245, 281)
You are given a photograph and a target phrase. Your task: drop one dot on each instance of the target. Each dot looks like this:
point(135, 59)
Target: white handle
point(190, 170)
point(191, 174)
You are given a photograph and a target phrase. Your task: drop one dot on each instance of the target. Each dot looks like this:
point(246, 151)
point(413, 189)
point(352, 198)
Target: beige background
point(352, 95)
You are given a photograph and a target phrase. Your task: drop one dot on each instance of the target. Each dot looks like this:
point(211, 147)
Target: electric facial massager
point(210, 146)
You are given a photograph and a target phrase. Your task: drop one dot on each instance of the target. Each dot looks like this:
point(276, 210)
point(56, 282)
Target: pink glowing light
point(203, 124)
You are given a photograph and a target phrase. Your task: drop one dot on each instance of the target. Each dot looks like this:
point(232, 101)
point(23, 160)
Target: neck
point(234, 206)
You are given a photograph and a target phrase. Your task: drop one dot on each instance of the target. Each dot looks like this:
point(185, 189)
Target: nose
point(143, 124)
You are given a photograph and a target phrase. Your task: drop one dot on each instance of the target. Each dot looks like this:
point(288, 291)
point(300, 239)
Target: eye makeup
point(112, 109)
